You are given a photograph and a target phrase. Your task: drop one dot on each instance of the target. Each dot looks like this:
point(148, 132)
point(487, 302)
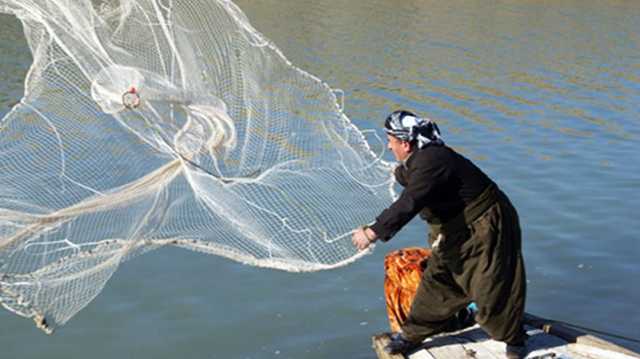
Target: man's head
point(407, 132)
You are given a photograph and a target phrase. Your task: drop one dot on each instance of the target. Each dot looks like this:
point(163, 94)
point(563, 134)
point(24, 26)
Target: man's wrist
point(367, 231)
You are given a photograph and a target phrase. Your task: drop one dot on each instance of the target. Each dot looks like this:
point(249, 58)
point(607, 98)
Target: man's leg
point(496, 274)
point(436, 303)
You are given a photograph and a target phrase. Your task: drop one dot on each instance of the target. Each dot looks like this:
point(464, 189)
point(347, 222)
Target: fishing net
point(147, 123)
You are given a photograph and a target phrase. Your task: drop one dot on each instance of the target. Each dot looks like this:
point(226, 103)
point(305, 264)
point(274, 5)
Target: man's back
point(454, 181)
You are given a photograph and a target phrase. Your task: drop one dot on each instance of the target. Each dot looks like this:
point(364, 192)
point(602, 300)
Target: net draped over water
point(147, 123)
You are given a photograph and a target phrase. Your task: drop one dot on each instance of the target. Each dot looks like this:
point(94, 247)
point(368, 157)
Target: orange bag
point(402, 273)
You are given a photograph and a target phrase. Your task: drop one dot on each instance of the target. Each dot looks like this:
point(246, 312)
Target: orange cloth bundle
point(402, 272)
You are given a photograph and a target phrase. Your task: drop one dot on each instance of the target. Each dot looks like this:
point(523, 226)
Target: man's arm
point(423, 181)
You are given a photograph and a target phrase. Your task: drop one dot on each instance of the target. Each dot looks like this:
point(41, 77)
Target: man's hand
point(363, 237)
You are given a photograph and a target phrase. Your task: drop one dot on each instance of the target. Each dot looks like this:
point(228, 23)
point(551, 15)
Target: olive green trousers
point(482, 262)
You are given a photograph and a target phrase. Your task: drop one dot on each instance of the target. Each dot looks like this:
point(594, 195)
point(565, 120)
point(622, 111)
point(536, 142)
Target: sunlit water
point(542, 95)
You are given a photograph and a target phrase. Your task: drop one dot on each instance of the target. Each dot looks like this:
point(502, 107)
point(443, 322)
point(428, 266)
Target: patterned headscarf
point(406, 126)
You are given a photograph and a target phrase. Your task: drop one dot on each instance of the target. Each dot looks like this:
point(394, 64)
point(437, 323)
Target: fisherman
point(474, 236)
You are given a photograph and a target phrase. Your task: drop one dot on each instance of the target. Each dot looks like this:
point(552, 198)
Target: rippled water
point(543, 95)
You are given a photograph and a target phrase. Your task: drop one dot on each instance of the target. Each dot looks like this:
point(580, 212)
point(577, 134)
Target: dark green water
point(543, 95)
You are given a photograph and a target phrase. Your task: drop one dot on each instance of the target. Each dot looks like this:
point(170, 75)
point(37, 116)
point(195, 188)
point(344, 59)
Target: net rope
point(147, 123)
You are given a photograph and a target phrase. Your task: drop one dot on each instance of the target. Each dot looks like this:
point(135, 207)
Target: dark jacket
point(439, 183)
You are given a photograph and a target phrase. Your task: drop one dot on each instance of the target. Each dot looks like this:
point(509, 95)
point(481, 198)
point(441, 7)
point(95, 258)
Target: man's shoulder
point(434, 153)
point(430, 158)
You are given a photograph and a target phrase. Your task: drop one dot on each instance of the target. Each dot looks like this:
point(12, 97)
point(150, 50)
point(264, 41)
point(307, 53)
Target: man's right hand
point(363, 237)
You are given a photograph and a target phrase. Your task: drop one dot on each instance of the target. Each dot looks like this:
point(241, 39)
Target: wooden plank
point(545, 346)
point(572, 335)
point(477, 347)
point(421, 354)
point(547, 339)
point(379, 342)
point(460, 350)
point(474, 343)
point(587, 351)
point(468, 343)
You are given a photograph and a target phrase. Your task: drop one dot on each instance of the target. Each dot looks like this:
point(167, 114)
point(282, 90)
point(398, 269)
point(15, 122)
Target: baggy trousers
point(481, 263)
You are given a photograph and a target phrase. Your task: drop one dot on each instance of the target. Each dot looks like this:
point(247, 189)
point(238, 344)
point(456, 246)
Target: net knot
point(131, 98)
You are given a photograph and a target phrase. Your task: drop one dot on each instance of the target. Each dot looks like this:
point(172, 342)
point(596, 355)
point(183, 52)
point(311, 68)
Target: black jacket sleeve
point(423, 179)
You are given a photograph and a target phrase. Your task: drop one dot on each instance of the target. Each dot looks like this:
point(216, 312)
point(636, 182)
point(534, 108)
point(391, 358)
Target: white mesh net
point(147, 123)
